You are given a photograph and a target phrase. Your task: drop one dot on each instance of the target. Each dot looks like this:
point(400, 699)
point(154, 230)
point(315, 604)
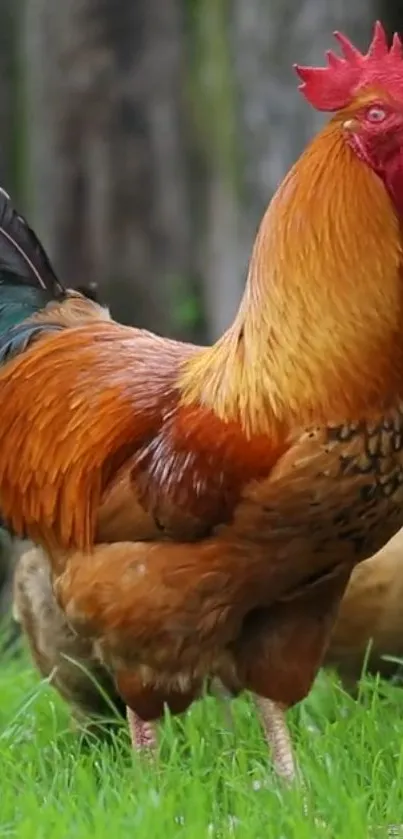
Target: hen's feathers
point(57, 650)
point(371, 613)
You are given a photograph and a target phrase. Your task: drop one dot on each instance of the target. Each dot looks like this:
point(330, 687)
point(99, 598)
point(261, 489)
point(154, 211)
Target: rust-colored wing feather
point(111, 454)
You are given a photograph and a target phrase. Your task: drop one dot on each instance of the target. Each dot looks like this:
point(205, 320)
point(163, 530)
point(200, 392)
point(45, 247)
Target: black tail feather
point(22, 258)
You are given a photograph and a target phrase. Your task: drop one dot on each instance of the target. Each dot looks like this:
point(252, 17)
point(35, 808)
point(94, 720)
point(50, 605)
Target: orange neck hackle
point(319, 332)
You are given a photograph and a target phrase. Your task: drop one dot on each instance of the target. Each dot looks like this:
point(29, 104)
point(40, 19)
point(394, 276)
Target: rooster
point(369, 626)
point(203, 508)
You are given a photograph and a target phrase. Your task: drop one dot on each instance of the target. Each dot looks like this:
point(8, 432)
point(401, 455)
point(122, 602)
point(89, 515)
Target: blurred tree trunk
point(107, 163)
point(11, 151)
point(212, 106)
point(10, 131)
point(275, 122)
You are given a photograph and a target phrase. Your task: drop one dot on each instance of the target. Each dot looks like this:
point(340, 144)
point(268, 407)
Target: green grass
point(209, 781)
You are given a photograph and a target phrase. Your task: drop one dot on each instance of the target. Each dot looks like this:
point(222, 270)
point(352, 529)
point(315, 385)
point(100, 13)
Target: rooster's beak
point(350, 124)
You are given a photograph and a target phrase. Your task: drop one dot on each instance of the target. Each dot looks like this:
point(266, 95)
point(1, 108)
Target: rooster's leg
point(278, 737)
point(142, 733)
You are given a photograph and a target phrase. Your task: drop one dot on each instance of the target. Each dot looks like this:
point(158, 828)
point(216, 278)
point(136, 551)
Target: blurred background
point(144, 138)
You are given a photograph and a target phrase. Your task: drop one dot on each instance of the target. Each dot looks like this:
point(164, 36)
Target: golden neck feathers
point(319, 332)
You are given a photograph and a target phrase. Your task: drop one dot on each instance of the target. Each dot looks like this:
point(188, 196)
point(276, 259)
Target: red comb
point(333, 87)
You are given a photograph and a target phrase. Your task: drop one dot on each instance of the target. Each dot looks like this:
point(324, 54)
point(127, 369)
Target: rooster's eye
point(376, 114)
